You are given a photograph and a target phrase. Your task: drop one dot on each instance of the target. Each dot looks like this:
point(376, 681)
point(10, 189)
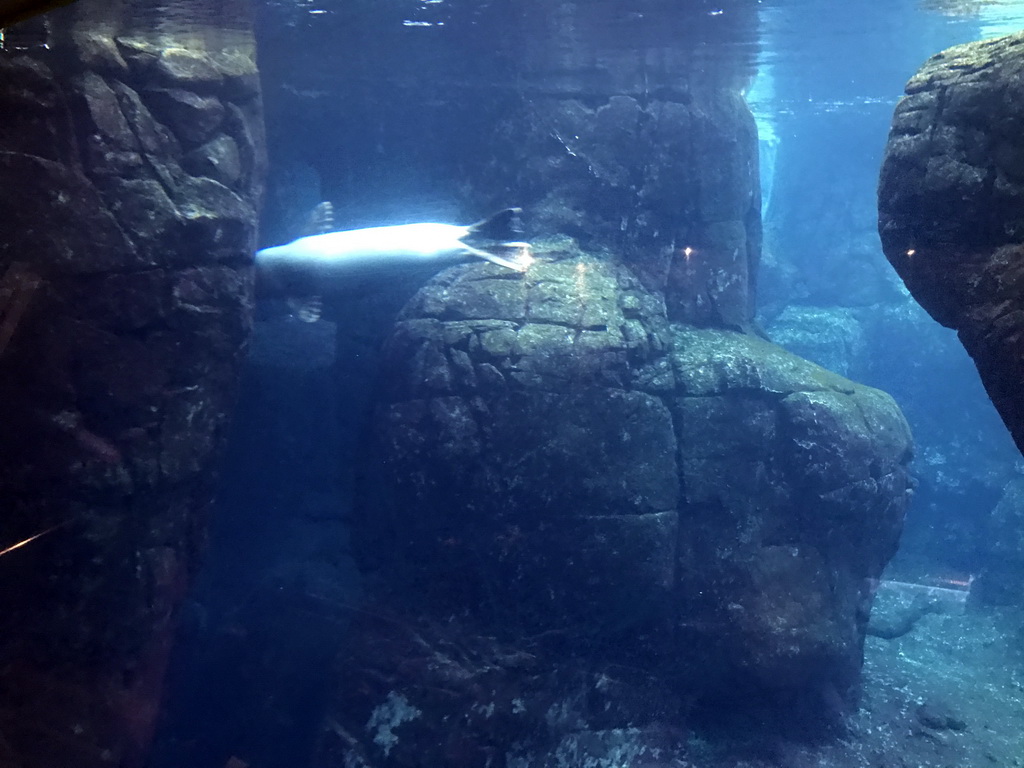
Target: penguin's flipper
point(320, 220)
point(308, 309)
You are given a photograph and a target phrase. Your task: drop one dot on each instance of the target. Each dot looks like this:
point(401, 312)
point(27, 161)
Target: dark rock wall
point(130, 168)
point(950, 207)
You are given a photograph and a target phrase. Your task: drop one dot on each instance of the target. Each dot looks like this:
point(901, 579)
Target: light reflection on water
point(214, 25)
point(800, 34)
point(182, 15)
point(858, 54)
point(991, 17)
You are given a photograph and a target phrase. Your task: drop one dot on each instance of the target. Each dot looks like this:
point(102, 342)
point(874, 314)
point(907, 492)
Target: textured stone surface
point(833, 337)
point(117, 378)
point(486, 363)
point(963, 456)
point(950, 197)
point(666, 178)
point(581, 481)
point(795, 489)
point(635, 143)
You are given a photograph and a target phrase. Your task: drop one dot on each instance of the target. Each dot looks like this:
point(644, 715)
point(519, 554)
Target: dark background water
point(381, 109)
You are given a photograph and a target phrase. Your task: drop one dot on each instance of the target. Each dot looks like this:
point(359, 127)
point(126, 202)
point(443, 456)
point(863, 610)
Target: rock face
point(574, 488)
point(653, 156)
point(950, 207)
point(129, 177)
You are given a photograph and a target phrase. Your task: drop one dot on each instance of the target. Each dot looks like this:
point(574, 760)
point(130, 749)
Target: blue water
point(359, 114)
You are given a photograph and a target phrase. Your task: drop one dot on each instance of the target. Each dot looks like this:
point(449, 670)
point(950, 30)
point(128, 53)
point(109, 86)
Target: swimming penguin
point(305, 269)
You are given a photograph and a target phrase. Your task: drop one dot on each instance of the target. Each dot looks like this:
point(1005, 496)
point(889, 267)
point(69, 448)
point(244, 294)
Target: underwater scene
point(511, 384)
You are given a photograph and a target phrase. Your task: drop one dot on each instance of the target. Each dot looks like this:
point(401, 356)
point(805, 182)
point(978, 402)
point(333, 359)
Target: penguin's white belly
point(310, 268)
point(373, 247)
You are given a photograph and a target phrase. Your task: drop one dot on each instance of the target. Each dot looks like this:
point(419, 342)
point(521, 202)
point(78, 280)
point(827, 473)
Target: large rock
point(796, 487)
point(582, 488)
point(525, 393)
point(125, 302)
point(950, 202)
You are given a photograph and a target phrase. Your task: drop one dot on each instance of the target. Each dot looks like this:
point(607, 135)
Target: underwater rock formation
point(563, 489)
point(653, 156)
point(949, 205)
point(130, 170)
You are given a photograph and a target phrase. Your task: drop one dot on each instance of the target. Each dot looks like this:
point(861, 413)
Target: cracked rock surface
point(588, 489)
point(129, 177)
point(950, 206)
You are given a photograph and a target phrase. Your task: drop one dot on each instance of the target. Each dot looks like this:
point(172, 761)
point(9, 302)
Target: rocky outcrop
point(583, 489)
point(130, 171)
point(949, 202)
point(653, 156)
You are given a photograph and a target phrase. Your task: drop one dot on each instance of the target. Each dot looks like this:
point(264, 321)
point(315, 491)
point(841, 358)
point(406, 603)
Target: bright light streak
point(30, 539)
